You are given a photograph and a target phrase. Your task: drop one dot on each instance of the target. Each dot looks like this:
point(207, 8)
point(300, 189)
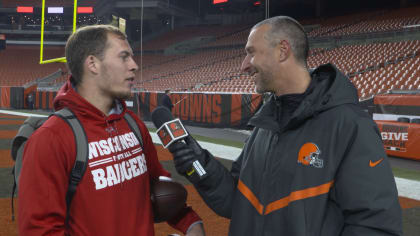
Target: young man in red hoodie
point(113, 197)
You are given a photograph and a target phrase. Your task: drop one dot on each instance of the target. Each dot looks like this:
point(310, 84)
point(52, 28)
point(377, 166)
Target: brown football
point(168, 198)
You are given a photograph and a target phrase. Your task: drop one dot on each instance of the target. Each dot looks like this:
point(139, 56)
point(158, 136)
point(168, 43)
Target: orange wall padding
point(50, 100)
point(44, 100)
point(205, 109)
point(5, 97)
point(236, 109)
point(153, 101)
point(398, 99)
point(255, 102)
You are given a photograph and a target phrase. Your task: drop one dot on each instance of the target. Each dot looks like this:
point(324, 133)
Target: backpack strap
point(82, 149)
point(134, 127)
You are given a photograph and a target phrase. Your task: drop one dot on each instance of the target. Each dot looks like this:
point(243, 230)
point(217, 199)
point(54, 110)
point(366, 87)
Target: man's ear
point(92, 64)
point(283, 50)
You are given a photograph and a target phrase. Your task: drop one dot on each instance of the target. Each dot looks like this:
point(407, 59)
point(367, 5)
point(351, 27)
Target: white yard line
point(406, 188)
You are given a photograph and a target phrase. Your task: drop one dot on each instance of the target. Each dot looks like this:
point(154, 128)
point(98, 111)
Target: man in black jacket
point(166, 101)
point(314, 164)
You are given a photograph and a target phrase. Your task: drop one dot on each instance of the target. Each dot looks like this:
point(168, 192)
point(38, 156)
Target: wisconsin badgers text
point(115, 160)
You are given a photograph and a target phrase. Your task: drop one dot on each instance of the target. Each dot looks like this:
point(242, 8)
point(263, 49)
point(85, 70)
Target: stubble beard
point(122, 95)
point(262, 82)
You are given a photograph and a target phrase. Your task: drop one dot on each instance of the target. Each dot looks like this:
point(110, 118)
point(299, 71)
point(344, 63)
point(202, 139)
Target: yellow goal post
point(60, 59)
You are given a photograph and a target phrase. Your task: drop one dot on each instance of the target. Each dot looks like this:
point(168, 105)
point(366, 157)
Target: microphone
point(171, 130)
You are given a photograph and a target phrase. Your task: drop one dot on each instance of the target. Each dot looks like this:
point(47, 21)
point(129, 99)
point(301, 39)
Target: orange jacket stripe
point(250, 196)
point(299, 195)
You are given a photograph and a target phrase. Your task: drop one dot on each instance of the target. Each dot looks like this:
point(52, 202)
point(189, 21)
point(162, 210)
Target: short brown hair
point(85, 41)
point(292, 30)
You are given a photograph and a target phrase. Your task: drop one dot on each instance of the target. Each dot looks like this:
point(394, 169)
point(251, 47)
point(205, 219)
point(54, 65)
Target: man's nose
point(246, 64)
point(133, 66)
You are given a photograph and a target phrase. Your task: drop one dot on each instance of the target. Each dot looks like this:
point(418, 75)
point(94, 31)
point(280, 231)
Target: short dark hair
point(85, 41)
point(284, 26)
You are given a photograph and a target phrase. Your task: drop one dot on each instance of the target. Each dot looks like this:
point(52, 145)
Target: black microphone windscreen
point(161, 115)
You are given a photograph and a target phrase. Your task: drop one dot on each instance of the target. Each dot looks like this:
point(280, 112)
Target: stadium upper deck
point(213, 63)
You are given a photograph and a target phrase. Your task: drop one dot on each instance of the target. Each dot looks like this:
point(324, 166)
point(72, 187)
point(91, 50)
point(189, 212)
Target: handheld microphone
point(171, 130)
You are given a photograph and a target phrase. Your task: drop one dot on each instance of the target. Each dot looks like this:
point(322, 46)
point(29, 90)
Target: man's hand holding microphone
point(189, 157)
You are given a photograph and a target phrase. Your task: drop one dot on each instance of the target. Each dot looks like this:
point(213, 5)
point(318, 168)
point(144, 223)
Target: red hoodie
point(113, 198)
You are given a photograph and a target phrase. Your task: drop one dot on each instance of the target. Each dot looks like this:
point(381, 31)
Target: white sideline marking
point(406, 188)
point(224, 152)
point(16, 113)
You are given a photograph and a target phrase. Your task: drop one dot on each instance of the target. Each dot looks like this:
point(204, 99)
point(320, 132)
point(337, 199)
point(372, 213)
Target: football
point(168, 198)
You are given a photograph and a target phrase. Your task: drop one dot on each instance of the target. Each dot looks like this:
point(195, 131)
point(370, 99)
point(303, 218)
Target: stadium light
point(59, 10)
point(219, 1)
point(25, 9)
point(84, 9)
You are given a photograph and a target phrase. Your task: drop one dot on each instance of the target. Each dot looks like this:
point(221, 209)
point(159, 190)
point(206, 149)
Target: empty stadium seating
point(368, 22)
point(215, 66)
point(373, 68)
point(190, 32)
point(376, 63)
point(20, 64)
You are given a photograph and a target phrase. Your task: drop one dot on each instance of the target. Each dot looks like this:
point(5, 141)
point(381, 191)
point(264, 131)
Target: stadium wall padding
point(397, 117)
point(199, 109)
point(400, 104)
point(205, 109)
point(11, 97)
point(44, 101)
point(400, 139)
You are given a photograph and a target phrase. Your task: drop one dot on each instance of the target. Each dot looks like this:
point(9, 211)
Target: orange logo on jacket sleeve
point(375, 163)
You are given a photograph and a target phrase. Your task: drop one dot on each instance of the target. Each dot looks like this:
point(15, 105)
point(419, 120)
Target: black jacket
point(324, 172)
point(166, 102)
